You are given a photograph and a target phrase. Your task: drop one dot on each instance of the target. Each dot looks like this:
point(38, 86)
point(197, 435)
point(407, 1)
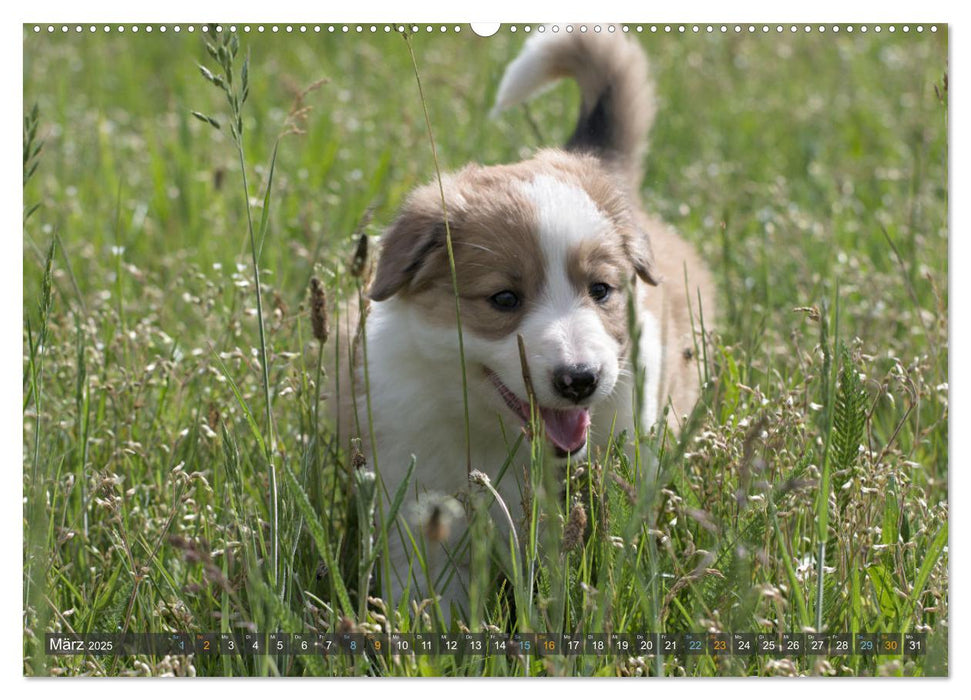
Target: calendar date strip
point(795, 644)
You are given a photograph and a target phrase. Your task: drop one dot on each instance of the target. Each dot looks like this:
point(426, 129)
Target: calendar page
point(425, 349)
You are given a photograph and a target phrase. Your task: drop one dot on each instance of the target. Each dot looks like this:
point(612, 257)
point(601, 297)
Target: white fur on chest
point(418, 408)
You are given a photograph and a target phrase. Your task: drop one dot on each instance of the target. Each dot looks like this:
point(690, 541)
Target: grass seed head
point(359, 261)
point(434, 514)
point(576, 525)
point(346, 626)
point(358, 460)
point(318, 310)
point(437, 527)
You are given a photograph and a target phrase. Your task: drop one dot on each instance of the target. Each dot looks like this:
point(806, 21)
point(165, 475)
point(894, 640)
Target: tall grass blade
point(302, 503)
point(934, 552)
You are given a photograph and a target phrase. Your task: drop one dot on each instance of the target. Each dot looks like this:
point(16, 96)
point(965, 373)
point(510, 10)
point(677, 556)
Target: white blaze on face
point(562, 328)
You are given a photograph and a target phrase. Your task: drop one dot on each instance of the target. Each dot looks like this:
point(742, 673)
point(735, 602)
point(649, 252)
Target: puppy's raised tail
point(617, 96)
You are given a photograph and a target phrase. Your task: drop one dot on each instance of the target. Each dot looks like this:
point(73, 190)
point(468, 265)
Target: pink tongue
point(567, 428)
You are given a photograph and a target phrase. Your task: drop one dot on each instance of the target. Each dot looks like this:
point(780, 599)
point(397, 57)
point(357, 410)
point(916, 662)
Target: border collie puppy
point(552, 249)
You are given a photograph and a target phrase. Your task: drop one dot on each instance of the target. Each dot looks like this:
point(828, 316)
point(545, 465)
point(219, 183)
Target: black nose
point(575, 382)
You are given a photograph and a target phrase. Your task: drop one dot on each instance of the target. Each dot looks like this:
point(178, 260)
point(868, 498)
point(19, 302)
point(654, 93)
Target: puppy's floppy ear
point(406, 246)
point(641, 254)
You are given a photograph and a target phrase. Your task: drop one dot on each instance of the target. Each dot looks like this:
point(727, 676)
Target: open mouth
point(566, 428)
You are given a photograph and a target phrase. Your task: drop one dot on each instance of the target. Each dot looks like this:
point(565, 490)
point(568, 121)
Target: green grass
point(810, 169)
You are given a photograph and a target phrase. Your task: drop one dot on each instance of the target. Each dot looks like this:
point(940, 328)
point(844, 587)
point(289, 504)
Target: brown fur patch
point(678, 304)
point(494, 243)
point(603, 261)
point(608, 194)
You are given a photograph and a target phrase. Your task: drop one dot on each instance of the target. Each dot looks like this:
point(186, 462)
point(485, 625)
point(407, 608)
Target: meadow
point(179, 467)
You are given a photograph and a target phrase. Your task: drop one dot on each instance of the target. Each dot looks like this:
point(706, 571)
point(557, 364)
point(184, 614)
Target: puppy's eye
point(505, 300)
point(600, 291)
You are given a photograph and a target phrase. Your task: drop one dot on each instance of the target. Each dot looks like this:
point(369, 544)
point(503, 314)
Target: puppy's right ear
point(406, 246)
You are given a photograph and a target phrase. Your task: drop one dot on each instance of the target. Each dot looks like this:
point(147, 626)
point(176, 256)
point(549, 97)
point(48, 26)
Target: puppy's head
point(545, 249)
